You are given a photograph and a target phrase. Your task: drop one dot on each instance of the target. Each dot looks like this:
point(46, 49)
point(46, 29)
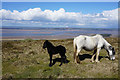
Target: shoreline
point(53, 37)
point(38, 38)
point(43, 38)
point(34, 39)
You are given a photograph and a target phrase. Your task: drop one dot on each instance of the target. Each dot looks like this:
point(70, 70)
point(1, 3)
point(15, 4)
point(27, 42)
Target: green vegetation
point(27, 59)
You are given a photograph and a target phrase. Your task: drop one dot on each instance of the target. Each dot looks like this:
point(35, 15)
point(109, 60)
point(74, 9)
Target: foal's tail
point(75, 48)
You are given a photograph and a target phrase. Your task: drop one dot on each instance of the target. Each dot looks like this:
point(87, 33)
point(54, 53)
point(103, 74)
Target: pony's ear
point(113, 48)
point(113, 51)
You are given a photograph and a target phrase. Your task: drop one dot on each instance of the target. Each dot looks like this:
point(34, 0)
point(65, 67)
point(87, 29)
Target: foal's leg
point(61, 60)
point(50, 64)
point(65, 59)
point(92, 59)
point(98, 50)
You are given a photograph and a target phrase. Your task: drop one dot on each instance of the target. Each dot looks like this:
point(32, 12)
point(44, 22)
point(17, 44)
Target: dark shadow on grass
point(100, 57)
point(88, 56)
point(59, 60)
point(84, 56)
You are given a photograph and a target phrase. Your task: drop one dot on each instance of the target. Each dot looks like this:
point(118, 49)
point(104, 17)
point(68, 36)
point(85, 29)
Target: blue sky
point(60, 14)
point(60, 0)
point(84, 7)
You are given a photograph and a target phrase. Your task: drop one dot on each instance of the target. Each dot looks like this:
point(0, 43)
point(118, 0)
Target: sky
point(60, 14)
point(60, 0)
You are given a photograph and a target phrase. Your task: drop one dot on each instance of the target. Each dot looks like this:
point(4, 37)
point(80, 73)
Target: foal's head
point(111, 53)
point(47, 44)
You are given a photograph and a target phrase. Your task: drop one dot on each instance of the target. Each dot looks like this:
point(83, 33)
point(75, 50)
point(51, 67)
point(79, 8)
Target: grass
point(27, 59)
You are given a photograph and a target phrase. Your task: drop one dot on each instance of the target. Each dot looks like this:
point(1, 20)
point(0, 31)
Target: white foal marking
point(90, 43)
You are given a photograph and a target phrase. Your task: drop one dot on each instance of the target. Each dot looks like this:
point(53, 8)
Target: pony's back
point(88, 42)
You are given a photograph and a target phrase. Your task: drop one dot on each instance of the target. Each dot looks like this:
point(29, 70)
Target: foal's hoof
point(60, 64)
point(50, 65)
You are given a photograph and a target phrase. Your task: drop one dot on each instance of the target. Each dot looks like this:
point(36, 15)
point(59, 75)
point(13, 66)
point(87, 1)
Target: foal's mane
point(49, 43)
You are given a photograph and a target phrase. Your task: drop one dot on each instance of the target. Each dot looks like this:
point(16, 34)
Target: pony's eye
point(110, 47)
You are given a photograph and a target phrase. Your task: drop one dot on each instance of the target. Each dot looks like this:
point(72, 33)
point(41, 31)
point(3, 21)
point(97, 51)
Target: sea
point(54, 33)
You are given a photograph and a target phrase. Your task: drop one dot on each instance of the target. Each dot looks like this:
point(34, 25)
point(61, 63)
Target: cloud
point(60, 18)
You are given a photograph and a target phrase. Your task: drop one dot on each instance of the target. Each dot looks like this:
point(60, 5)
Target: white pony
point(90, 43)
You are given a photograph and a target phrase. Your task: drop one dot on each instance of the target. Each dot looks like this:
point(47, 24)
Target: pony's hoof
point(97, 61)
point(79, 62)
point(92, 61)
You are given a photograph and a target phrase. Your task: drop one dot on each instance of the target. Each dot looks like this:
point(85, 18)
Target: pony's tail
point(75, 48)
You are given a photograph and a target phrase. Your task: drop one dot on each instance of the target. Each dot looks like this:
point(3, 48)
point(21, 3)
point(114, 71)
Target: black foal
point(55, 50)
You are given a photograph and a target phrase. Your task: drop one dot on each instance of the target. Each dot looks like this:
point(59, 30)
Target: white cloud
point(112, 14)
point(61, 17)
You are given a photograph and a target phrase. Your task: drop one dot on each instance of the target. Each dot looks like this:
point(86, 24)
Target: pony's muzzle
point(112, 58)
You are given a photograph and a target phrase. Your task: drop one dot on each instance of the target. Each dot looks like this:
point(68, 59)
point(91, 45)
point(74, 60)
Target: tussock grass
point(27, 59)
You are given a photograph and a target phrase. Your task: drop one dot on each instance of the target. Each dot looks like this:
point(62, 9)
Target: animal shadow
point(59, 60)
point(100, 57)
point(84, 56)
point(88, 56)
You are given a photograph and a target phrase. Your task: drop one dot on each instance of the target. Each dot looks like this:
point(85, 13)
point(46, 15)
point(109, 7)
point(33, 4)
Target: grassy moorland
point(27, 59)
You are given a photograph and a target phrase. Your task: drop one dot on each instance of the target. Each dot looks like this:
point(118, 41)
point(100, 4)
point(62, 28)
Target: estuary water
point(53, 33)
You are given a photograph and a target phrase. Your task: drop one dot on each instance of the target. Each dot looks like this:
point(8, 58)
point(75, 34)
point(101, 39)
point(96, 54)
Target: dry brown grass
point(27, 59)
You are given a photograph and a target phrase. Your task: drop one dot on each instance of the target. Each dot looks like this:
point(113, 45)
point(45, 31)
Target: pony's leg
point(76, 56)
point(98, 50)
point(92, 59)
point(50, 64)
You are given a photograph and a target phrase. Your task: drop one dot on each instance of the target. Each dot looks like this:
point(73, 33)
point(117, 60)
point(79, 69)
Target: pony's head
point(45, 44)
point(111, 53)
